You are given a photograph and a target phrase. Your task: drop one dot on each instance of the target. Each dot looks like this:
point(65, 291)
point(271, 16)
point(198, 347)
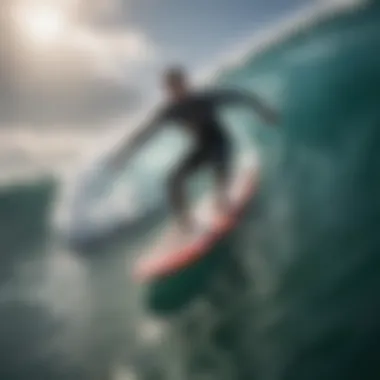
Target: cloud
point(85, 73)
point(26, 151)
point(114, 53)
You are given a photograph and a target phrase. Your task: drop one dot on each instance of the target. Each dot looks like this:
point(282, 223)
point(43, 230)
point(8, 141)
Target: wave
point(25, 208)
point(277, 34)
point(125, 199)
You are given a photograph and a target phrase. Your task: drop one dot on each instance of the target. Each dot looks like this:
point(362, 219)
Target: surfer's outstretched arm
point(267, 113)
point(138, 138)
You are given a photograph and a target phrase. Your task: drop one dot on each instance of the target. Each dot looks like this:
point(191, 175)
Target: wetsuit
point(197, 114)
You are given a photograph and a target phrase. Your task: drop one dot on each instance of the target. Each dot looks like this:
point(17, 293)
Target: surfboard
point(174, 250)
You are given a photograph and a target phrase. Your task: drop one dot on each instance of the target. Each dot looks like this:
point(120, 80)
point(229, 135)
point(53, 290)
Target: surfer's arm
point(138, 138)
point(146, 131)
point(267, 113)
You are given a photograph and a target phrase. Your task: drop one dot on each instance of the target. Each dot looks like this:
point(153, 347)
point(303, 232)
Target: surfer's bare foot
point(223, 207)
point(190, 227)
point(224, 211)
point(185, 224)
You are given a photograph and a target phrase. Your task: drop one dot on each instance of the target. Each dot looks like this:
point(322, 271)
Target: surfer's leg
point(177, 182)
point(222, 164)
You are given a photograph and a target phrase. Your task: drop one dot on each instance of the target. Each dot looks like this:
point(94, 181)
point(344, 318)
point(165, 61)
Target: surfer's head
point(175, 81)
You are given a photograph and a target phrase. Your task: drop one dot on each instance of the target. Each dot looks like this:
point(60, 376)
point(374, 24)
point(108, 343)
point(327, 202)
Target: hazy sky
point(72, 69)
point(82, 62)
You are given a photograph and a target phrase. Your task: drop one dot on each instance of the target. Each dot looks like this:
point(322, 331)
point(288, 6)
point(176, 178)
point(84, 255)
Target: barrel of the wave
point(177, 270)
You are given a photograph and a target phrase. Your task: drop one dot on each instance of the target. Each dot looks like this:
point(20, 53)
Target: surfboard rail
point(166, 258)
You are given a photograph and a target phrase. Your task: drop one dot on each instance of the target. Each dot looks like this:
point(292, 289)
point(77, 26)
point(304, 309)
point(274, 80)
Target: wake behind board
point(175, 250)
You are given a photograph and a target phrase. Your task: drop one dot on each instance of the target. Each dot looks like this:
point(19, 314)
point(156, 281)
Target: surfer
point(196, 112)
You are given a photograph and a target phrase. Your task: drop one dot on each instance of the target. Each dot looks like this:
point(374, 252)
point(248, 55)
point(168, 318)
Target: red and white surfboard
point(173, 250)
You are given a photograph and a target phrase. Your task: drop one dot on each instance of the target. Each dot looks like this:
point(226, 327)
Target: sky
point(73, 67)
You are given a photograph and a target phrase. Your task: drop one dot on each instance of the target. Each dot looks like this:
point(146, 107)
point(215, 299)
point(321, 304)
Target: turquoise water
point(305, 302)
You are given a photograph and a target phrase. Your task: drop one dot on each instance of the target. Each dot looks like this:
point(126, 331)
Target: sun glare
point(42, 25)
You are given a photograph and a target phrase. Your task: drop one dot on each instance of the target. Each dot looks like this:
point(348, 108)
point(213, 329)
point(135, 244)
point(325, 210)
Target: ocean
point(290, 294)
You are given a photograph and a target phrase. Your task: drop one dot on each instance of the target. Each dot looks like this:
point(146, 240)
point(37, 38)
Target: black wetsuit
point(197, 114)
